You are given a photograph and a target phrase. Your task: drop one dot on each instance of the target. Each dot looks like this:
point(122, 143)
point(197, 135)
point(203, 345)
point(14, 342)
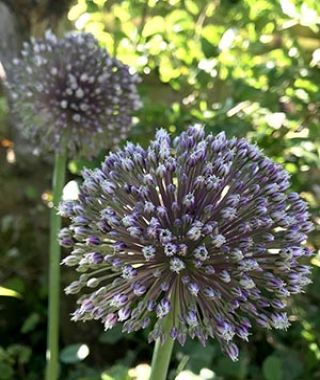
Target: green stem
point(54, 270)
point(161, 357)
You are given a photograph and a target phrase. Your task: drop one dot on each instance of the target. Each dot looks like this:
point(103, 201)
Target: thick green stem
point(161, 359)
point(54, 270)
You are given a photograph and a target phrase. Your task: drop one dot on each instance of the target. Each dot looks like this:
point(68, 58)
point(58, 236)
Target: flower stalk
point(54, 269)
point(161, 356)
point(161, 359)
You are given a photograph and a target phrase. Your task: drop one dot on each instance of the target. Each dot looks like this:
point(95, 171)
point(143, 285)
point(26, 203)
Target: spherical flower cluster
point(196, 237)
point(70, 91)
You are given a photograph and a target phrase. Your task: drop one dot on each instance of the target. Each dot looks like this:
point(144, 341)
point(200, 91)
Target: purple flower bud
point(93, 240)
point(195, 231)
point(193, 288)
point(124, 314)
point(174, 333)
point(119, 300)
point(263, 321)
point(163, 308)
point(191, 319)
point(201, 253)
point(232, 351)
point(119, 246)
point(225, 330)
point(109, 321)
point(176, 265)
point(170, 249)
point(165, 236)
point(280, 321)
point(243, 332)
point(138, 289)
point(149, 252)
point(211, 293)
point(128, 272)
point(66, 209)
point(97, 258)
point(151, 305)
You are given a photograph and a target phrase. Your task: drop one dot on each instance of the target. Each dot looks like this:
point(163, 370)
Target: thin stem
point(161, 359)
point(161, 356)
point(54, 269)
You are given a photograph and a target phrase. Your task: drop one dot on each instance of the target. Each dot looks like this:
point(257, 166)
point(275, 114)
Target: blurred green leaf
point(112, 336)
point(292, 365)
point(199, 356)
point(117, 372)
point(154, 25)
point(30, 323)
point(6, 371)
point(20, 353)
point(235, 370)
point(74, 353)
point(272, 368)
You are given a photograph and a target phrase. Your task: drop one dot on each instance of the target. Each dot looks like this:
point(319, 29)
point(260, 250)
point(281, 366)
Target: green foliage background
point(251, 68)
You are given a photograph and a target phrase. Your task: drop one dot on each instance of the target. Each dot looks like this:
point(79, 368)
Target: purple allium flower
point(201, 230)
point(72, 89)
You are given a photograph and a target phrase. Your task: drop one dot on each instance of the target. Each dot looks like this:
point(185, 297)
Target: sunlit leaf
point(5, 292)
point(74, 353)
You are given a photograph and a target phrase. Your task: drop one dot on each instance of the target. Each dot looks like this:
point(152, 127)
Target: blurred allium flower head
point(72, 89)
point(198, 234)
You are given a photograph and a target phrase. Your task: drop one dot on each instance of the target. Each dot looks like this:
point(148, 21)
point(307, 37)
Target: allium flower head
point(72, 89)
point(200, 232)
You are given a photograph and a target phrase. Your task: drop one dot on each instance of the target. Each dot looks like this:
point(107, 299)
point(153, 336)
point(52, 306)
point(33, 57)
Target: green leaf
point(112, 336)
point(76, 166)
point(119, 372)
point(235, 370)
point(155, 25)
point(5, 292)
point(15, 284)
point(20, 353)
point(293, 366)
point(106, 376)
point(209, 50)
point(192, 7)
point(6, 372)
point(6, 223)
point(74, 353)
point(30, 323)
point(199, 356)
point(272, 368)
